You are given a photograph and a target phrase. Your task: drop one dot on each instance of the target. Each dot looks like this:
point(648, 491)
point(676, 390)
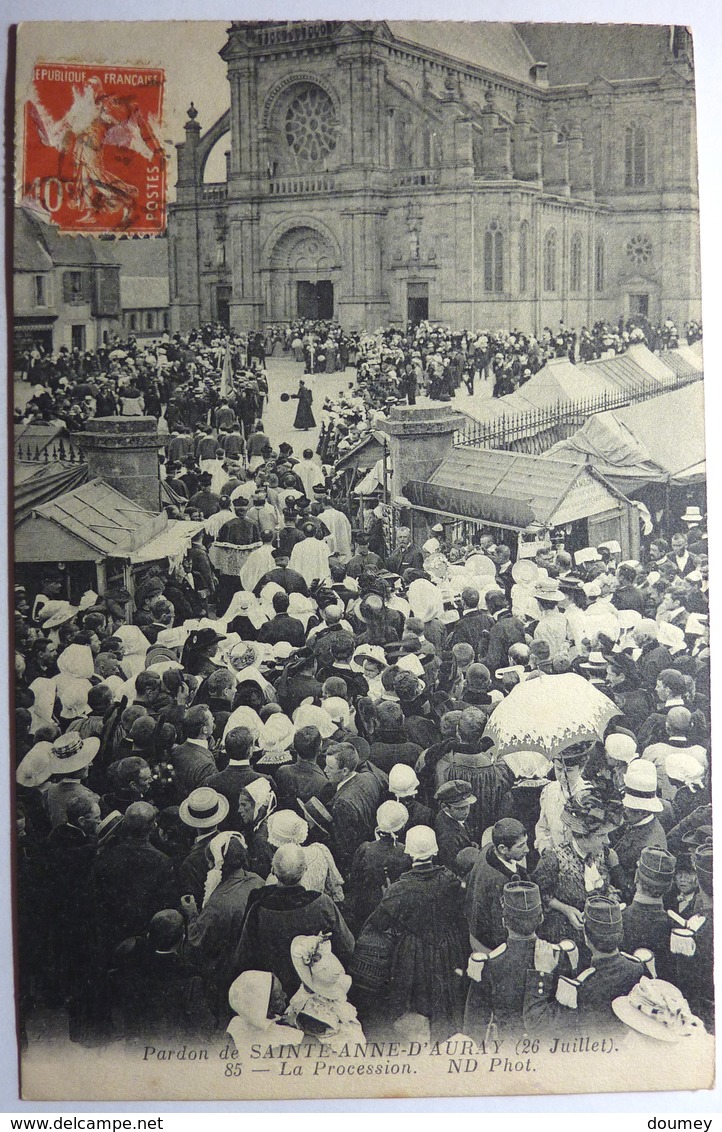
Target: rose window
point(639, 249)
point(311, 129)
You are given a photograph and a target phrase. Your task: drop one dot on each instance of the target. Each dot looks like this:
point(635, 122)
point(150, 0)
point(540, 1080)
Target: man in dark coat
point(391, 744)
point(497, 864)
point(451, 825)
point(158, 992)
point(342, 649)
point(193, 763)
point(133, 879)
point(641, 827)
point(406, 556)
point(201, 567)
point(278, 913)
point(302, 779)
point(205, 500)
point(304, 418)
point(237, 775)
point(203, 810)
point(497, 988)
point(74, 957)
point(506, 631)
point(358, 795)
point(474, 624)
point(282, 627)
point(289, 534)
point(627, 595)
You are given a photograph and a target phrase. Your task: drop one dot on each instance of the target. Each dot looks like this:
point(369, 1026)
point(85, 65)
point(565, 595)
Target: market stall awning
point(363, 455)
point(684, 361)
point(87, 524)
point(172, 543)
point(39, 483)
point(649, 442)
point(622, 373)
point(511, 489)
point(670, 428)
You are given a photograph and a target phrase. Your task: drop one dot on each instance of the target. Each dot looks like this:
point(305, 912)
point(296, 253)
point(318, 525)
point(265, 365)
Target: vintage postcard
point(361, 586)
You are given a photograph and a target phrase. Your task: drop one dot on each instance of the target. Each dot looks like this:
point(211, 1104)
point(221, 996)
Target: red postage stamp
point(93, 161)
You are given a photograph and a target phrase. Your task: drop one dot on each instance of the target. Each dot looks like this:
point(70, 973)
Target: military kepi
point(521, 896)
point(603, 915)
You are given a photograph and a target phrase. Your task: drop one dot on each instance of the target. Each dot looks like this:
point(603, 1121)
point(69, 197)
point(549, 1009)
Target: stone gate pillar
point(419, 439)
point(123, 451)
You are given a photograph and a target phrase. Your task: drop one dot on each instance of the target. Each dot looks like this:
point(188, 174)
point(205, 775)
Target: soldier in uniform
point(556, 1004)
point(695, 963)
point(645, 920)
point(495, 1001)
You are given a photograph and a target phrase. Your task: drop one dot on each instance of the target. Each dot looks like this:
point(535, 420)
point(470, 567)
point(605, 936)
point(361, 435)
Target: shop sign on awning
point(457, 501)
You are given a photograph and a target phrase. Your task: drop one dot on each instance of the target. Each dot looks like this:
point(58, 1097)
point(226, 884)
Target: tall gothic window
point(635, 157)
point(550, 261)
point(523, 256)
point(493, 258)
point(575, 263)
point(599, 266)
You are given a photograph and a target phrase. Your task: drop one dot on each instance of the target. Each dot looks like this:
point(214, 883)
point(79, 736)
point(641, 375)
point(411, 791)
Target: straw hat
point(204, 808)
point(640, 787)
point(546, 589)
point(37, 766)
point(70, 752)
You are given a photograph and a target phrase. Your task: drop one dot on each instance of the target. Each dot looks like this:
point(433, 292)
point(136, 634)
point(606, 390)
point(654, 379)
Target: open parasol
point(548, 713)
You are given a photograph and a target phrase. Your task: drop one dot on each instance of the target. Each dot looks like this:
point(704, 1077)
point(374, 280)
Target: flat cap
point(453, 791)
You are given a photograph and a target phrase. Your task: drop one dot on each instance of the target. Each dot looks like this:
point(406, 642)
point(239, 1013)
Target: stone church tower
point(473, 174)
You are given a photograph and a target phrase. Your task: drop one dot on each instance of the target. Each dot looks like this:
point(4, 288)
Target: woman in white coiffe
point(321, 875)
point(258, 1002)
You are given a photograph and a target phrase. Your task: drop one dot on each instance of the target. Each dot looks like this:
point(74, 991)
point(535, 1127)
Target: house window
point(133, 320)
point(575, 264)
point(523, 256)
point(41, 291)
point(166, 320)
point(149, 320)
point(77, 337)
point(599, 266)
point(493, 258)
point(635, 157)
point(550, 261)
point(73, 281)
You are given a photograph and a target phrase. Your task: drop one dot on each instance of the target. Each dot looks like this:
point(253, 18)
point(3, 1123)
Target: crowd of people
point(176, 380)
point(274, 802)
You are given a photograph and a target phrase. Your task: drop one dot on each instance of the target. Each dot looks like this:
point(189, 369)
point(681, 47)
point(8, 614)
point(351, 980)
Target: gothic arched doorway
point(303, 276)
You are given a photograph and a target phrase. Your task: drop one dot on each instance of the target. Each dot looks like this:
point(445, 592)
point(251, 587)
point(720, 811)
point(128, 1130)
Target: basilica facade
point(478, 175)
